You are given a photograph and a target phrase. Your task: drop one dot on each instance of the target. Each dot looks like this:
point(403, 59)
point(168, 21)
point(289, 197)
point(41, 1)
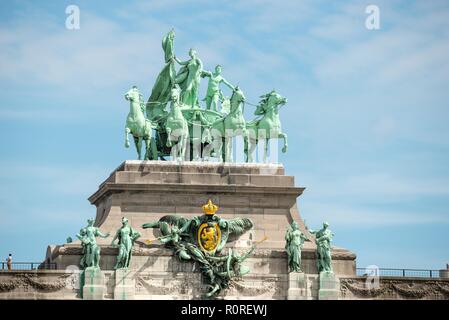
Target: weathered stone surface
point(329, 286)
point(398, 288)
point(93, 284)
point(124, 288)
point(145, 191)
point(297, 286)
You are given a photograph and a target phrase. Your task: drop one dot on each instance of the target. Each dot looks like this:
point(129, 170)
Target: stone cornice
point(160, 250)
point(110, 187)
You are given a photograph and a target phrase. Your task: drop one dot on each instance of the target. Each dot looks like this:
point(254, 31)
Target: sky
point(367, 112)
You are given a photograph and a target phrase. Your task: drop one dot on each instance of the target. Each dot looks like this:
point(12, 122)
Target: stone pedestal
point(329, 288)
point(297, 286)
point(145, 191)
point(124, 284)
point(92, 284)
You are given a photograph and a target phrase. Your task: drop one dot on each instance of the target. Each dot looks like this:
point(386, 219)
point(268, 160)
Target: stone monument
point(236, 248)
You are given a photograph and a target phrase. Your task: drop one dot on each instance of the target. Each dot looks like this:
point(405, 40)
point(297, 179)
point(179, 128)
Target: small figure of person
point(213, 88)
point(9, 262)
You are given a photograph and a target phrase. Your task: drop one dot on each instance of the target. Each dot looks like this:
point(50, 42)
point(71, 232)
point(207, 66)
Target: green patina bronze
point(91, 251)
point(176, 125)
point(231, 125)
point(188, 79)
point(323, 239)
point(187, 128)
point(214, 94)
point(202, 239)
point(268, 126)
point(294, 241)
point(126, 236)
point(138, 126)
point(164, 82)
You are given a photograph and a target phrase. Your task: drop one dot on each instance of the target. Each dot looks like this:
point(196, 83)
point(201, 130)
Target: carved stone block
point(93, 284)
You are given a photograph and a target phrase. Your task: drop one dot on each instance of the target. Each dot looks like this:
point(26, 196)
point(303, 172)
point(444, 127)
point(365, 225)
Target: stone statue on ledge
point(323, 242)
point(294, 241)
point(126, 237)
point(91, 251)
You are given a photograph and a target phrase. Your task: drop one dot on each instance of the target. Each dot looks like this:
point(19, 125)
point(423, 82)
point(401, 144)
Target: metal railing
point(386, 272)
point(29, 266)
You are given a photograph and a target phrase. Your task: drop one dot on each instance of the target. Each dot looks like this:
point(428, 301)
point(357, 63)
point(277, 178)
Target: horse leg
point(265, 151)
point(127, 131)
point(284, 137)
point(218, 150)
point(147, 148)
point(228, 149)
point(138, 143)
point(169, 142)
point(185, 144)
point(252, 143)
point(153, 148)
point(246, 144)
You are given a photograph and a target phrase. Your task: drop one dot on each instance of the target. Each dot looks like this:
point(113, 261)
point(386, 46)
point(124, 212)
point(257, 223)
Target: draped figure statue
point(165, 80)
point(188, 79)
point(294, 240)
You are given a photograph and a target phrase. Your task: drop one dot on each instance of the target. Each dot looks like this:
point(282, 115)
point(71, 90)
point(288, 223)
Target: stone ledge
point(160, 250)
point(110, 187)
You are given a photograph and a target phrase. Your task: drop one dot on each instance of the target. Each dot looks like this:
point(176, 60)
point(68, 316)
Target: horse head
point(270, 101)
point(133, 95)
point(237, 97)
point(175, 93)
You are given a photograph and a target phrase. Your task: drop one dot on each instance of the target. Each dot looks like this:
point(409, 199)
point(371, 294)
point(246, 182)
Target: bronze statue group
point(189, 132)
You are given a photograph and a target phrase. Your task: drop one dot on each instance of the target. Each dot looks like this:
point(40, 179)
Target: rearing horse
point(268, 127)
point(138, 125)
point(232, 125)
point(176, 126)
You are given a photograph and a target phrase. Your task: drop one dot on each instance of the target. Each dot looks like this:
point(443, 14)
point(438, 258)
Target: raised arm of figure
point(181, 62)
point(115, 238)
point(228, 84)
point(205, 73)
point(98, 233)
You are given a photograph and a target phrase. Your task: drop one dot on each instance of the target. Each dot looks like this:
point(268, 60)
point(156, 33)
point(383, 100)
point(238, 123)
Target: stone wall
point(41, 284)
point(144, 191)
point(183, 281)
point(397, 288)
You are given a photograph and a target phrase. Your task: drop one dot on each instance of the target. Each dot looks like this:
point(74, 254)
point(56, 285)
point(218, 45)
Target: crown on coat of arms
point(210, 208)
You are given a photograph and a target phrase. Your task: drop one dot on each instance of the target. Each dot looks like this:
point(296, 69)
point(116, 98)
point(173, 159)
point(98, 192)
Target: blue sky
point(367, 116)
